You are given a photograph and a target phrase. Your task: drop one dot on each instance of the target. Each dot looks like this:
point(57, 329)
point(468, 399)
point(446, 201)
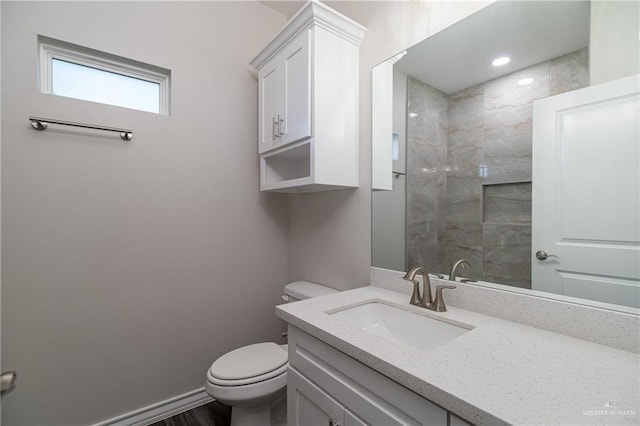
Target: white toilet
point(252, 379)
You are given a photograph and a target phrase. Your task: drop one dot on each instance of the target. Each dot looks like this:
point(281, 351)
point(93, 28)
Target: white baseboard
point(160, 410)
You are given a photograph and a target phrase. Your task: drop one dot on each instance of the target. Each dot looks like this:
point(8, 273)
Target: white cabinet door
point(285, 95)
point(586, 193)
point(295, 114)
point(308, 405)
point(269, 88)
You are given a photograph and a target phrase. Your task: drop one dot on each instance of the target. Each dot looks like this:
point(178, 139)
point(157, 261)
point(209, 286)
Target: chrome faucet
point(425, 301)
point(460, 263)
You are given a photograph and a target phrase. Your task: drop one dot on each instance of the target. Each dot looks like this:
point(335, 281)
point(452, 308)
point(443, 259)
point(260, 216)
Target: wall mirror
point(455, 162)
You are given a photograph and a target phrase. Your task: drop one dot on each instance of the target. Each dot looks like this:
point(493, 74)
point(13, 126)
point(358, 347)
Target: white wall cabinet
point(308, 103)
point(285, 96)
point(325, 386)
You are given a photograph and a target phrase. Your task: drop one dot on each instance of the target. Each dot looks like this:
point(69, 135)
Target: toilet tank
point(299, 290)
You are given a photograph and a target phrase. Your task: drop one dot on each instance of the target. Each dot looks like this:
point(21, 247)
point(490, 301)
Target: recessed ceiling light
point(525, 81)
point(501, 61)
point(413, 114)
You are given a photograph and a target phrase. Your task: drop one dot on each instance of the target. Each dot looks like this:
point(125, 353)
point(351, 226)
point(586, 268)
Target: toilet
point(253, 379)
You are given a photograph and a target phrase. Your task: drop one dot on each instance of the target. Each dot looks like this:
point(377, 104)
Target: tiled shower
point(469, 170)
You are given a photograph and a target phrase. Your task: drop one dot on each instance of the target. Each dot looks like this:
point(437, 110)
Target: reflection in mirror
point(464, 189)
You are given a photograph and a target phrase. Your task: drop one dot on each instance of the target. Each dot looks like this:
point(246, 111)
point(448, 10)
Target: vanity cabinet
point(308, 103)
point(325, 386)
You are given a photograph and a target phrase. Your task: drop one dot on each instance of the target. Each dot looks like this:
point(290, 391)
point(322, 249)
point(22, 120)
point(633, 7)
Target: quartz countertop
point(499, 372)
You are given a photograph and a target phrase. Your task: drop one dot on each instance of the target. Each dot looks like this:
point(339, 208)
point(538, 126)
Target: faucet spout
point(462, 263)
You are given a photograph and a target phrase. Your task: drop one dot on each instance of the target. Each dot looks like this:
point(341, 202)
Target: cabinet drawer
point(372, 397)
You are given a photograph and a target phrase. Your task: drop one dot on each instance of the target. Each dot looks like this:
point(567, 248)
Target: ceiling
point(288, 8)
point(529, 32)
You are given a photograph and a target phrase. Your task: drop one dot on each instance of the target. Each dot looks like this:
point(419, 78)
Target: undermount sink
point(420, 332)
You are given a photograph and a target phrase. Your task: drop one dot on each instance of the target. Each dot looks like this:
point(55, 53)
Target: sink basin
point(420, 332)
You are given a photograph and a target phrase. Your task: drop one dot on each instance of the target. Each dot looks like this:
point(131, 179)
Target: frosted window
point(92, 84)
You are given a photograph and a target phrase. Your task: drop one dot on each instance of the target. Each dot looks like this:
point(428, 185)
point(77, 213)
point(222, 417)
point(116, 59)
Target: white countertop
point(499, 372)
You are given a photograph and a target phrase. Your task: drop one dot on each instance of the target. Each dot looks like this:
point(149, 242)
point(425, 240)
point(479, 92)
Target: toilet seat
point(248, 364)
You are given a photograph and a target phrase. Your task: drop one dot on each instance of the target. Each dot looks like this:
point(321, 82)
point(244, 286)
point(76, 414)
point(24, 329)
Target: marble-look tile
point(472, 254)
point(506, 173)
point(465, 129)
point(569, 72)
point(514, 149)
point(507, 265)
point(506, 254)
point(505, 93)
point(467, 100)
point(507, 203)
point(506, 235)
point(426, 153)
point(502, 123)
point(423, 196)
point(422, 233)
point(426, 257)
point(427, 109)
point(464, 232)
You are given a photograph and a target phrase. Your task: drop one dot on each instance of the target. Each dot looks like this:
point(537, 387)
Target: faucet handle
point(415, 296)
point(439, 302)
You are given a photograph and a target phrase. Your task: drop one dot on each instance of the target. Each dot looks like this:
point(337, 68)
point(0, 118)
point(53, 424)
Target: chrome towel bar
point(42, 124)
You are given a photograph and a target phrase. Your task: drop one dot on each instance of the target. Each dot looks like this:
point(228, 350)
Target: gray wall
point(128, 268)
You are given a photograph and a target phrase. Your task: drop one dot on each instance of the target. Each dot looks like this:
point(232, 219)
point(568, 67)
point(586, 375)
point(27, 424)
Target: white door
point(586, 193)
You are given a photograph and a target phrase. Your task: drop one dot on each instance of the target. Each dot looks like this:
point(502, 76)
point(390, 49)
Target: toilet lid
point(249, 361)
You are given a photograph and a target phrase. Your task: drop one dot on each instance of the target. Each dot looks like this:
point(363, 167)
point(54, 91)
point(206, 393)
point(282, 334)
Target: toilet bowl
point(253, 379)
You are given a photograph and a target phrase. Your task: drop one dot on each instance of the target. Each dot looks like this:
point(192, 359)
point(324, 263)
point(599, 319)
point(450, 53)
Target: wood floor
point(211, 414)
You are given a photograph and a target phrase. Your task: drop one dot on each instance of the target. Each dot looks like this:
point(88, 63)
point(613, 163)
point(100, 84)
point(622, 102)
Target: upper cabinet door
point(295, 119)
point(269, 87)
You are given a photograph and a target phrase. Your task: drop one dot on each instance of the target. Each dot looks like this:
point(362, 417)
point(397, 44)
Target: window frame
point(50, 49)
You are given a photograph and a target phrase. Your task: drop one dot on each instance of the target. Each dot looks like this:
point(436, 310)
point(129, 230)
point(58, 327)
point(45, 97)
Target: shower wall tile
point(502, 123)
point(464, 101)
point(505, 93)
point(507, 173)
point(507, 203)
point(464, 233)
point(472, 254)
point(427, 133)
point(514, 149)
point(569, 72)
point(423, 233)
point(506, 255)
point(466, 128)
point(464, 199)
point(427, 257)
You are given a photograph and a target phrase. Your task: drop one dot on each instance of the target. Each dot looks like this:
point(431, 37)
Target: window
point(81, 73)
